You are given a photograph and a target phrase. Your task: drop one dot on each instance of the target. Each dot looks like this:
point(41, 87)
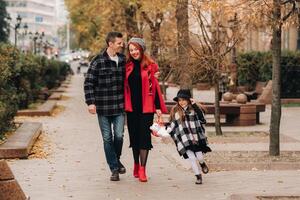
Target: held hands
point(158, 130)
point(158, 112)
point(92, 109)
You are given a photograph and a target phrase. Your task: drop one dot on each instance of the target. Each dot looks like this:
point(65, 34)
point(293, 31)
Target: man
point(223, 82)
point(104, 95)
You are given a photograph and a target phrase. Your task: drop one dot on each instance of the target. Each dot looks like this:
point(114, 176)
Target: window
point(38, 19)
point(17, 4)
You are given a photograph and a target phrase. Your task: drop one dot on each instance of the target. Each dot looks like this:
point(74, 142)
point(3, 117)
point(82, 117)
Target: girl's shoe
point(199, 179)
point(204, 168)
point(136, 170)
point(142, 174)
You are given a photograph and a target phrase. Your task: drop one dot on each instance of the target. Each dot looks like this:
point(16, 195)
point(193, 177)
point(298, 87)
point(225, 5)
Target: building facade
point(40, 16)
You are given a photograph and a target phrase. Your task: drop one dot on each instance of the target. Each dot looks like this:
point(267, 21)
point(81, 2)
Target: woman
point(142, 99)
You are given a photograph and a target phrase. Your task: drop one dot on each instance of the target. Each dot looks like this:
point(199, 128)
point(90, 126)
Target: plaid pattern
point(223, 84)
point(192, 129)
point(104, 84)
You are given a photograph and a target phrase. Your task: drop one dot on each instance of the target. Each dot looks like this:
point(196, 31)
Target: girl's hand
point(158, 112)
point(192, 100)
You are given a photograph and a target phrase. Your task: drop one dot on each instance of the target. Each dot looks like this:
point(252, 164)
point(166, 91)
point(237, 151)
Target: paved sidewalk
point(76, 168)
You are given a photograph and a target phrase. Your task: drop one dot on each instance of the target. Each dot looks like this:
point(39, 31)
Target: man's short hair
point(111, 36)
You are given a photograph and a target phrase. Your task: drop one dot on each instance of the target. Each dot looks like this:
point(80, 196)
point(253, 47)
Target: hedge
point(22, 77)
point(257, 66)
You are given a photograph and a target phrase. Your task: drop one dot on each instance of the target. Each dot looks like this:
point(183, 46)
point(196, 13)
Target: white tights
point(193, 158)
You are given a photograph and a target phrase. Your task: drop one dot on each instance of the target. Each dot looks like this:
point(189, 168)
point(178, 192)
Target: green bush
point(257, 66)
point(8, 97)
point(22, 77)
point(250, 67)
point(28, 79)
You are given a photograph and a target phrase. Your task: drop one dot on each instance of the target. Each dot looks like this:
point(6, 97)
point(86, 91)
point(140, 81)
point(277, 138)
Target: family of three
point(116, 84)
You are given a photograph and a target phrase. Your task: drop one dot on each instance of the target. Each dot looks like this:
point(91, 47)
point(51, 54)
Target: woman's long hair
point(145, 59)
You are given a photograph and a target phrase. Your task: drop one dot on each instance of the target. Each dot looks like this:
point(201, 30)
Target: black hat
point(185, 94)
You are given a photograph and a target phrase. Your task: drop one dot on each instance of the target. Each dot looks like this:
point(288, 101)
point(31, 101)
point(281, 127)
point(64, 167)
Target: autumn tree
point(182, 19)
point(153, 15)
point(211, 43)
point(275, 14)
point(93, 18)
point(90, 21)
point(289, 6)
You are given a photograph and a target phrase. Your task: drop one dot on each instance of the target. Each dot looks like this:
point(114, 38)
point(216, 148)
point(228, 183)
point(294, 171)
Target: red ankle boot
point(142, 174)
point(136, 170)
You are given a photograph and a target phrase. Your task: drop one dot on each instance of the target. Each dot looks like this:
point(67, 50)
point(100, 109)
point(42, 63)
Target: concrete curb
point(19, 144)
point(44, 110)
point(9, 187)
point(264, 196)
point(55, 96)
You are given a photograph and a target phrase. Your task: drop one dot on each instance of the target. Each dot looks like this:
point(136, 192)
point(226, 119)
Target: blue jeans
point(112, 140)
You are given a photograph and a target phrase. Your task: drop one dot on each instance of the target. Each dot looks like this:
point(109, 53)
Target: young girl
point(187, 130)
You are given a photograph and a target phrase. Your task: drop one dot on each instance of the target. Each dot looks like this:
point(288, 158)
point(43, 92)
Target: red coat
point(148, 99)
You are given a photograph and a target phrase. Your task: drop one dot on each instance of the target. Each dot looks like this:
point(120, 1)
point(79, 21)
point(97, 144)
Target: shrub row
point(22, 77)
point(257, 66)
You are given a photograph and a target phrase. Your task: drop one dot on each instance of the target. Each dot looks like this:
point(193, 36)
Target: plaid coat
point(191, 132)
point(104, 84)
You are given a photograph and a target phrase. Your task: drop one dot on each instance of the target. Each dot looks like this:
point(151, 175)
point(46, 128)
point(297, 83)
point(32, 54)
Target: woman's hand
point(156, 74)
point(158, 112)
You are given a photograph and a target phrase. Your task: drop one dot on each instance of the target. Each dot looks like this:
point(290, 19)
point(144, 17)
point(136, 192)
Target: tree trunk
point(155, 32)
point(130, 21)
point(183, 42)
point(155, 37)
point(274, 147)
point(217, 111)
point(216, 37)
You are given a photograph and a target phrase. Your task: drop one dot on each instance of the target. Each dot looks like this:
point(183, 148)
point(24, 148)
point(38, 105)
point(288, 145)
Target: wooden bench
point(235, 114)
point(239, 114)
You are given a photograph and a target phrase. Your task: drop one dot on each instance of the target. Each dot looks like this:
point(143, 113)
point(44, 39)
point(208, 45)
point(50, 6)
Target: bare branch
point(147, 19)
point(291, 11)
point(287, 1)
point(228, 49)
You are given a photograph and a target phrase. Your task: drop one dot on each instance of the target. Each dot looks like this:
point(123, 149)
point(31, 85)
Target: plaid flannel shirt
point(223, 84)
point(104, 84)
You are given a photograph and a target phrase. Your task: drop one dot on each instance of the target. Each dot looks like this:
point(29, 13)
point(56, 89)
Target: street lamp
point(23, 35)
point(17, 26)
point(35, 37)
point(25, 28)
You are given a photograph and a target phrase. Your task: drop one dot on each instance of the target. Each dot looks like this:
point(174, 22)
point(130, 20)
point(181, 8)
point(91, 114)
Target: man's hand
point(92, 109)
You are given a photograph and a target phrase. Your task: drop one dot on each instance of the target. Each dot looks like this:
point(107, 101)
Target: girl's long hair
point(178, 109)
point(145, 59)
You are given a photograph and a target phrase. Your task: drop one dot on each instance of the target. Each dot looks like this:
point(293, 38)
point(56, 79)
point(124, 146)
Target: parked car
point(65, 58)
point(84, 63)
